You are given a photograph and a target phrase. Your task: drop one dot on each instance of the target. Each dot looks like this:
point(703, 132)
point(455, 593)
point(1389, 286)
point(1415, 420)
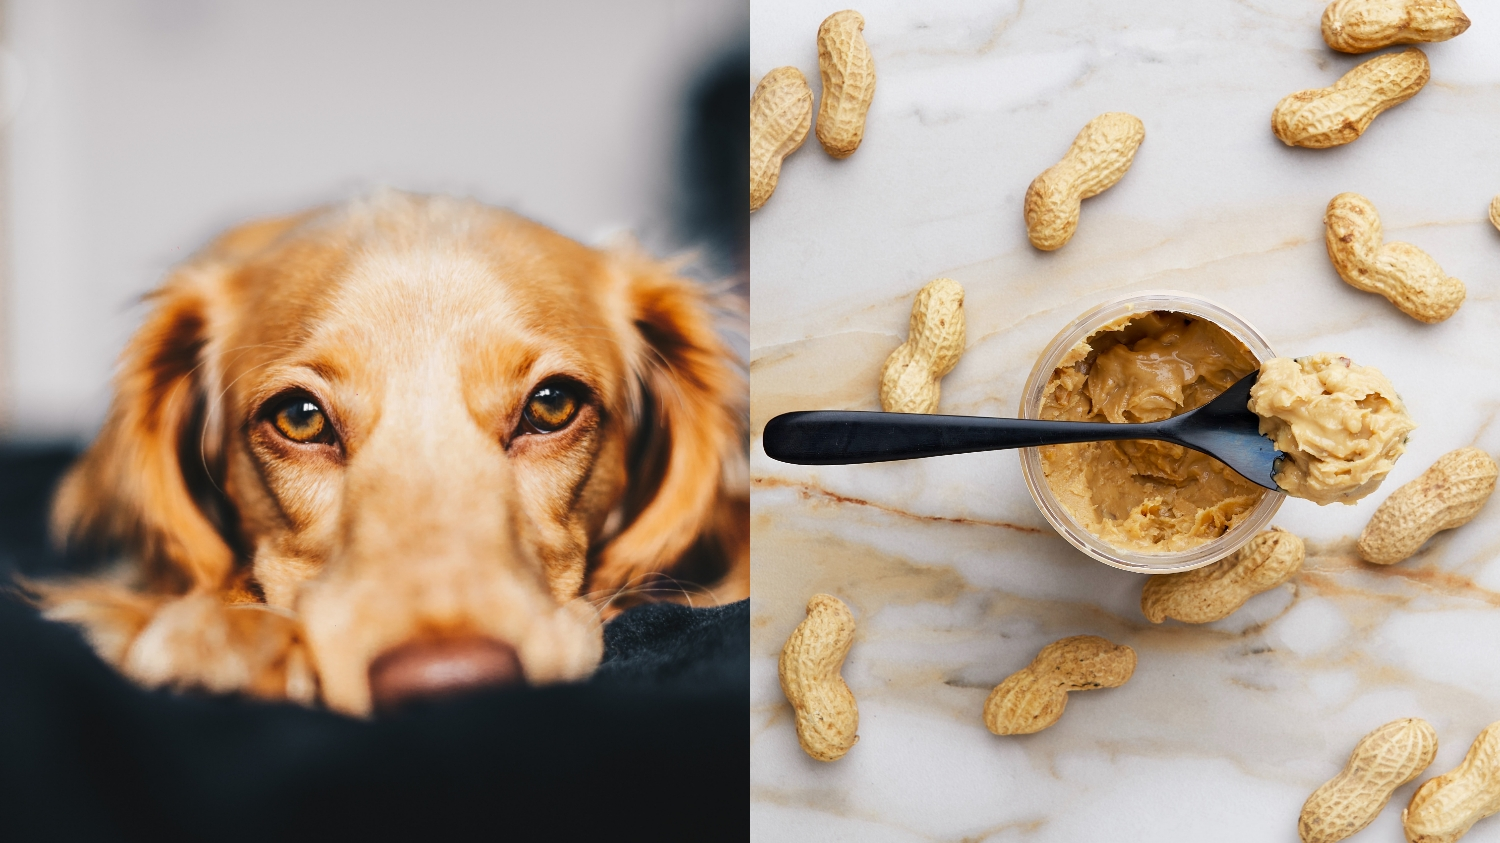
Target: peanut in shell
point(827, 716)
point(780, 115)
point(910, 380)
point(1382, 761)
point(1099, 157)
point(1359, 26)
point(1444, 808)
point(1336, 115)
point(1447, 495)
point(848, 74)
point(1215, 591)
point(1405, 275)
point(1033, 698)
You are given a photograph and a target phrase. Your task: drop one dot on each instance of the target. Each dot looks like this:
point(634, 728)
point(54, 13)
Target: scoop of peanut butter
point(1341, 426)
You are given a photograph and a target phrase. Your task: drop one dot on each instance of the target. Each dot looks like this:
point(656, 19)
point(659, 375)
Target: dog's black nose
point(427, 669)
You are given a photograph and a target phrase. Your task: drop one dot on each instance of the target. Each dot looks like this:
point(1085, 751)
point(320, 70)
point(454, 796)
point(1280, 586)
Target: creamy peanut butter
point(1341, 426)
point(1146, 496)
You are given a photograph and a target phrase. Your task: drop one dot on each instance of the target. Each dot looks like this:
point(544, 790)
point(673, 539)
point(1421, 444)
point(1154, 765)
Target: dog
point(402, 447)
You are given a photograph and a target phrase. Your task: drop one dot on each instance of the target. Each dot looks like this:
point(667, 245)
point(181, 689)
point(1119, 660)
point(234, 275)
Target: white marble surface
point(953, 576)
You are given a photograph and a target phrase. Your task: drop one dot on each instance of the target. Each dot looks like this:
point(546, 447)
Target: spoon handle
point(841, 437)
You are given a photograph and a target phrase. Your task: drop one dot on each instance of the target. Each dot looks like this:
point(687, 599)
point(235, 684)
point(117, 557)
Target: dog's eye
point(301, 420)
point(550, 408)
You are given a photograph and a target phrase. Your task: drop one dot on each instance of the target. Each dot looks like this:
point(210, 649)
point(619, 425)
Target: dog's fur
point(420, 326)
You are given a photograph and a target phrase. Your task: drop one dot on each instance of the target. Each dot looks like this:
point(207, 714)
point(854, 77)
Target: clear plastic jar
point(1080, 329)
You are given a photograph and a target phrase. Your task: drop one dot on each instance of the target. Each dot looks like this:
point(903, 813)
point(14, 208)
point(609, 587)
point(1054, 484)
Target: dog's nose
point(427, 669)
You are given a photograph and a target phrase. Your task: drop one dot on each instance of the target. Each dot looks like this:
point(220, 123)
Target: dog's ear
point(132, 491)
point(148, 486)
point(690, 431)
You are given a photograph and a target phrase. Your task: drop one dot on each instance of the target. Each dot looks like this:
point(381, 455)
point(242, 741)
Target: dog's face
point(420, 426)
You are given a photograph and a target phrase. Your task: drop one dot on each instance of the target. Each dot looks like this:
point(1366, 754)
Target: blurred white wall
point(139, 128)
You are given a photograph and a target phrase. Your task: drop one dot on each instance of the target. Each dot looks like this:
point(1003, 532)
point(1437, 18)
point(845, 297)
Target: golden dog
point(403, 446)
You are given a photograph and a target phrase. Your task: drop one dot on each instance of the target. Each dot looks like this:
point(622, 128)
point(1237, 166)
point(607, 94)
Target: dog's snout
point(427, 669)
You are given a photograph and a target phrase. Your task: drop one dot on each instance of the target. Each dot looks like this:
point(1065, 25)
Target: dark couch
point(653, 746)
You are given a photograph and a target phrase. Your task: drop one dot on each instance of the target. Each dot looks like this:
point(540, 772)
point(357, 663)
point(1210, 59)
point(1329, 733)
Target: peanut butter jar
point(1149, 507)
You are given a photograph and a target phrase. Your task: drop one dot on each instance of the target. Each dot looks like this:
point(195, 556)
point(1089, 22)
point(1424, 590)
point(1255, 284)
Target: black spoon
point(1224, 428)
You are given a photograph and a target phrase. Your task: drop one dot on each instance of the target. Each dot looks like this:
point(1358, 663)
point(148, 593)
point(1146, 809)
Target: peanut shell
point(1034, 697)
point(1340, 113)
point(910, 380)
point(848, 74)
point(1215, 591)
point(1098, 158)
point(780, 115)
point(1444, 808)
point(1359, 26)
point(1382, 761)
point(1401, 272)
point(1447, 495)
point(826, 714)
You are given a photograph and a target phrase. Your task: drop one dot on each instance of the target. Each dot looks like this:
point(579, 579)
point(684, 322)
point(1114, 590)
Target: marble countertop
point(953, 576)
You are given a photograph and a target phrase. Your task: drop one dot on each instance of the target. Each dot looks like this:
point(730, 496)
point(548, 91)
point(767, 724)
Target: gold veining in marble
point(955, 578)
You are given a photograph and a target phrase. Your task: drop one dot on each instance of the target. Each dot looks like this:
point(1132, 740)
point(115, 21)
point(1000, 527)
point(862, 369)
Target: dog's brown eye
point(301, 420)
point(550, 408)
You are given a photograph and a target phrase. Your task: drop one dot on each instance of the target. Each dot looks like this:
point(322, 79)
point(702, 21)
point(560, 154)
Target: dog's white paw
point(199, 642)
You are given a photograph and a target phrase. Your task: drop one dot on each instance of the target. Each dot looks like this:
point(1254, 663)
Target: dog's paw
point(109, 615)
point(198, 642)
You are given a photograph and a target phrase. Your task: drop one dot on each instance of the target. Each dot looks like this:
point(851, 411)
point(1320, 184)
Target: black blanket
point(651, 747)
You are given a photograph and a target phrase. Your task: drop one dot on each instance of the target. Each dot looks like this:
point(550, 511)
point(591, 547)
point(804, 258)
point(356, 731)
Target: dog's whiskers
point(656, 584)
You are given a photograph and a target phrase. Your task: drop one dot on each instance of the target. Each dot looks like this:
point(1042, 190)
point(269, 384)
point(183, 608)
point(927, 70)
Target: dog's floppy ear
point(131, 491)
point(690, 430)
point(147, 485)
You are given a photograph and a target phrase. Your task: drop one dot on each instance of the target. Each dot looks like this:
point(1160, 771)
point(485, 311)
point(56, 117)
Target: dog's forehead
point(493, 299)
point(451, 280)
point(429, 293)
point(382, 289)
